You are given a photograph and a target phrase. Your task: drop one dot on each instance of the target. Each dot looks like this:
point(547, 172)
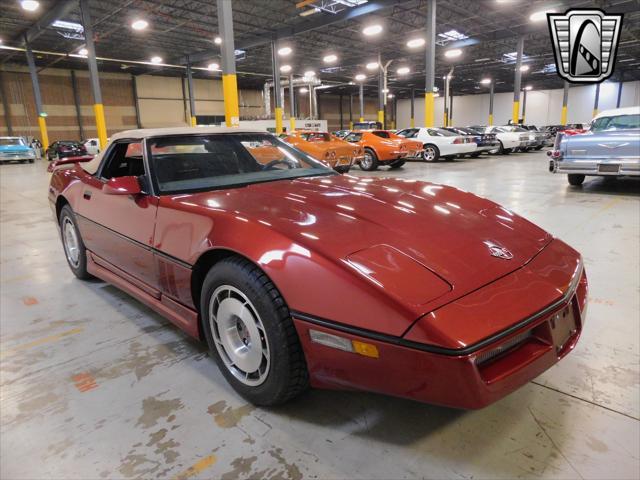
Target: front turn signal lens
point(365, 349)
point(344, 344)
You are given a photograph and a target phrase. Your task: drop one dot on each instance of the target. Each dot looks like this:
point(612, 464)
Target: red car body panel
point(401, 264)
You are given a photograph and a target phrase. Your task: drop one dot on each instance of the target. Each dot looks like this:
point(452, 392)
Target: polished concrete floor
point(95, 385)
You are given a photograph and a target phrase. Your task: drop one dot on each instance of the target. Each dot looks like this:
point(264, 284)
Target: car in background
point(540, 136)
point(16, 149)
point(296, 276)
point(65, 148)
point(485, 142)
point(93, 146)
point(340, 155)
point(383, 148)
point(610, 148)
point(367, 125)
point(340, 133)
point(438, 142)
point(510, 138)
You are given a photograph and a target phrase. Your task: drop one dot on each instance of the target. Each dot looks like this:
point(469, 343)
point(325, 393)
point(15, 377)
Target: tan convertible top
point(155, 132)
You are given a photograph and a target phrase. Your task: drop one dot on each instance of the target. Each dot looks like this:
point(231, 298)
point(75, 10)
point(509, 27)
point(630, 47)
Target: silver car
point(611, 147)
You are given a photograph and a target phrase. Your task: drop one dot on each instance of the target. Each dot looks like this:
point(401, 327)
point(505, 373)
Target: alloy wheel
point(70, 242)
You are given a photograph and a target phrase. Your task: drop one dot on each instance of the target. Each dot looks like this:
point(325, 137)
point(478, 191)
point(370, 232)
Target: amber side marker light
point(344, 344)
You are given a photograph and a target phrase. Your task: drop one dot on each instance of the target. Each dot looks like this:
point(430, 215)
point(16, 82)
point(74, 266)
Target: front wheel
point(74, 248)
point(431, 153)
point(370, 160)
point(250, 333)
point(575, 179)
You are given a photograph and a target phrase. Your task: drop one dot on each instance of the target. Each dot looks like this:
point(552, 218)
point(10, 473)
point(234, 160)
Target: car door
point(119, 229)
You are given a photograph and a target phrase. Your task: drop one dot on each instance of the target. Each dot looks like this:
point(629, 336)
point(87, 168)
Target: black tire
point(78, 268)
point(370, 162)
point(396, 164)
point(31, 160)
point(431, 153)
point(342, 169)
point(539, 147)
point(286, 374)
point(506, 151)
point(575, 179)
point(475, 155)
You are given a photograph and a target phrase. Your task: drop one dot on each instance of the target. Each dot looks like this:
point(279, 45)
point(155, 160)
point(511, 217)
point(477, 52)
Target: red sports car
point(296, 276)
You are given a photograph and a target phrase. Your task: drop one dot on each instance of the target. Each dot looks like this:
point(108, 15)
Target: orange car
point(323, 146)
point(382, 147)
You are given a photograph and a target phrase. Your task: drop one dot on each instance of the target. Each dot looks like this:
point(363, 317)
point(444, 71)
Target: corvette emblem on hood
point(500, 252)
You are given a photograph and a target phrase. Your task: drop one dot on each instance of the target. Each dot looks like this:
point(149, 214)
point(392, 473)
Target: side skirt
point(183, 317)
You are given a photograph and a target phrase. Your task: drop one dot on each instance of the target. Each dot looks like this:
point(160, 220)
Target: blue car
point(16, 149)
point(610, 148)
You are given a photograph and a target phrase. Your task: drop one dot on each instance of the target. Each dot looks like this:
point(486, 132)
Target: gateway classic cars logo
point(585, 42)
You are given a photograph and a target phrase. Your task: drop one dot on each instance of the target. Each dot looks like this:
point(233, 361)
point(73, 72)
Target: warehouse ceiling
point(314, 29)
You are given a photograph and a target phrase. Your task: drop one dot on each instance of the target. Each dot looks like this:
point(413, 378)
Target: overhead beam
point(34, 31)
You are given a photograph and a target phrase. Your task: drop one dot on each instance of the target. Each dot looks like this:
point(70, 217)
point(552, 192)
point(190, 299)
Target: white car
point(440, 143)
point(93, 146)
point(511, 138)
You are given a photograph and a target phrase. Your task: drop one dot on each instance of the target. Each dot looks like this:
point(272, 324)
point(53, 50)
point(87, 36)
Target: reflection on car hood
point(449, 231)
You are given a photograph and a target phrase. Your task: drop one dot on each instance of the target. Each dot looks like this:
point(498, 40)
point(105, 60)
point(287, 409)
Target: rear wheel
point(575, 179)
point(250, 333)
point(74, 248)
point(370, 160)
point(431, 153)
point(396, 164)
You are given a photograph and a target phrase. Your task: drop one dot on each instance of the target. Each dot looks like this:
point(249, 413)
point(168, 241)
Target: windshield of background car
point(69, 143)
point(408, 132)
point(182, 164)
point(12, 141)
point(441, 132)
point(353, 137)
point(620, 122)
point(316, 137)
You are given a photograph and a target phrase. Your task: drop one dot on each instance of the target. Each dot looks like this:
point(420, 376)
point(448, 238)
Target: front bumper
point(8, 156)
point(597, 166)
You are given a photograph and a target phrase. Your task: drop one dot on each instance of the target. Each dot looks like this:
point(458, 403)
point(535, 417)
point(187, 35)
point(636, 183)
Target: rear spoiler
point(68, 160)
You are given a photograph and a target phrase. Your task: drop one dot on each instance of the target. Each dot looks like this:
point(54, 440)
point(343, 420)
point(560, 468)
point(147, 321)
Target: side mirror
point(122, 186)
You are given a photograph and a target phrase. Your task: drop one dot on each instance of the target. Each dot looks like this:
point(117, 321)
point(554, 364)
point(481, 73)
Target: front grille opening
point(503, 347)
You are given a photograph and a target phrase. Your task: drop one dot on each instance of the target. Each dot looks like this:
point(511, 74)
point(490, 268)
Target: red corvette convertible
point(296, 276)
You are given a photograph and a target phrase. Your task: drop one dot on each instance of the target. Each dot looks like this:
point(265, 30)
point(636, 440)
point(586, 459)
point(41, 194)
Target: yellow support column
point(193, 121)
point(230, 93)
point(278, 112)
point(595, 112)
point(428, 109)
point(515, 114)
point(381, 117)
point(563, 115)
point(101, 125)
point(490, 119)
point(351, 125)
point(412, 123)
point(42, 123)
point(292, 124)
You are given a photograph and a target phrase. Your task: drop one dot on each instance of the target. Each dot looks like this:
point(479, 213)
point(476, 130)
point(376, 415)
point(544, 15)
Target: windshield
point(316, 137)
point(408, 133)
point(353, 137)
point(620, 122)
point(382, 134)
point(12, 141)
point(440, 132)
point(205, 162)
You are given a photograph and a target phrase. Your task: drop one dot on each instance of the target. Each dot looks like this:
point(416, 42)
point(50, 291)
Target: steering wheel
point(289, 163)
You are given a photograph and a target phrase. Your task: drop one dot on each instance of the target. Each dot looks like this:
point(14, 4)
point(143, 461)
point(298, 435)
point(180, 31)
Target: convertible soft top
point(155, 132)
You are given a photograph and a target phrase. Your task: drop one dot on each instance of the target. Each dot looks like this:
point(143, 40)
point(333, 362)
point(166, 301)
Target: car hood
point(450, 232)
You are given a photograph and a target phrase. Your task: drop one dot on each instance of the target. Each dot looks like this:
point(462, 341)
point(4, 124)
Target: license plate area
point(563, 326)
point(608, 168)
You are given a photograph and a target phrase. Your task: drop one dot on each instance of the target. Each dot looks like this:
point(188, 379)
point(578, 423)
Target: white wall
point(543, 106)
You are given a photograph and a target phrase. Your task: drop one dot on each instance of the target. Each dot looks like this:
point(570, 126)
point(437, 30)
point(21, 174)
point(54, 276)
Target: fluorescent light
point(139, 24)
point(73, 26)
point(156, 59)
point(330, 58)
point(309, 73)
point(303, 90)
point(539, 16)
point(403, 70)
point(456, 52)
point(217, 40)
point(285, 68)
point(361, 77)
point(212, 67)
point(528, 87)
point(436, 95)
point(372, 29)
point(485, 81)
point(524, 68)
point(385, 90)
point(372, 65)
point(453, 35)
point(284, 51)
point(311, 11)
point(391, 95)
point(29, 5)
point(415, 43)
point(83, 51)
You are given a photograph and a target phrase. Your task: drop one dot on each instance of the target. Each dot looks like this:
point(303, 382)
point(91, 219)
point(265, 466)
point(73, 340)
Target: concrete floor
point(95, 385)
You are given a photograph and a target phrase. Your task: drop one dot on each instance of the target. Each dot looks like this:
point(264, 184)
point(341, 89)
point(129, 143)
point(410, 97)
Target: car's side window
point(124, 160)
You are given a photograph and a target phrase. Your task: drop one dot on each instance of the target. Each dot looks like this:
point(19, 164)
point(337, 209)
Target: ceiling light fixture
point(485, 81)
point(455, 52)
point(391, 95)
point(372, 29)
point(539, 16)
point(330, 58)
point(212, 67)
point(528, 87)
point(156, 59)
point(309, 74)
point(30, 5)
point(285, 68)
point(524, 68)
point(139, 24)
point(303, 90)
point(416, 43)
point(83, 51)
point(360, 77)
point(217, 40)
point(284, 51)
point(372, 65)
point(403, 70)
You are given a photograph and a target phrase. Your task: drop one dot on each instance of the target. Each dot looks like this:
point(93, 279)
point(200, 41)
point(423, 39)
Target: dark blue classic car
point(611, 147)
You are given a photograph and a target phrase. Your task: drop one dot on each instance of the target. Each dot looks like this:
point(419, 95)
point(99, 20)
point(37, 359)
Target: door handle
point(86, 195)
